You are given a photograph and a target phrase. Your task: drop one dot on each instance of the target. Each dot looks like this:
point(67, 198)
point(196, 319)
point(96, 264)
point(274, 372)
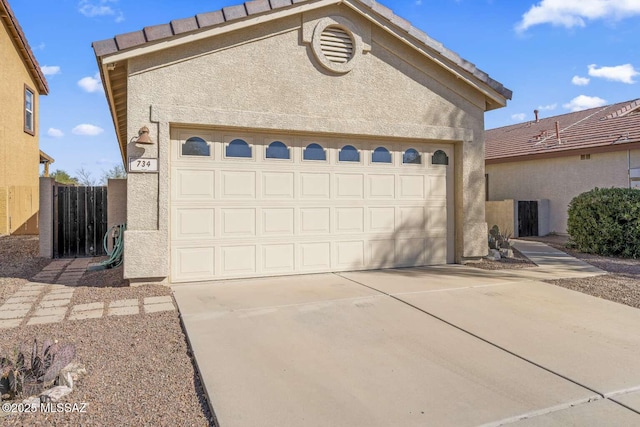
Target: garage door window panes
point(278, 150)
point(439, 158)
point(349, 153)
point(196, 146)
point(314, 152)
point(411, 156)
point(238, 148)
point(380, 155)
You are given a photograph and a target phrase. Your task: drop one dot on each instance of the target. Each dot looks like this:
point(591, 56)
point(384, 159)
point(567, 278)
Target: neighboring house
point(557, 158)
point(21, 84)
point(296, 138)
point(46, 160)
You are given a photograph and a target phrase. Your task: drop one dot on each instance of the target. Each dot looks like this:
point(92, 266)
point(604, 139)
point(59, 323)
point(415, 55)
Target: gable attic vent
point(336, 45)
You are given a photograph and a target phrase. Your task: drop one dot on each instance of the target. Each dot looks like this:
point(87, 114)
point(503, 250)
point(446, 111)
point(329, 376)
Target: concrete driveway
point(442, 346)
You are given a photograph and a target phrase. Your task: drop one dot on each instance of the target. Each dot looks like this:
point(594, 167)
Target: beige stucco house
point(291, 138)
point(21, 84)
point(556, 158)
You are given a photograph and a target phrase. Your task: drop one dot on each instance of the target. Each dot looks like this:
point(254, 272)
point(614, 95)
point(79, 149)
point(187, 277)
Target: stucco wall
point(19, 152)
point(559, 180)
point(266, 78)
point(116, 203)
point(502, 213)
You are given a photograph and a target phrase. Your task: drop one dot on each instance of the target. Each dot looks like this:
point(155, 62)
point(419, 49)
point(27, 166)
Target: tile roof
point(601, 127)
point(23, 46)
point(208, 20)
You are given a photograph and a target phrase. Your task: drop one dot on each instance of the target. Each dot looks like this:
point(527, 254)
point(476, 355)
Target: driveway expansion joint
point(499, 347)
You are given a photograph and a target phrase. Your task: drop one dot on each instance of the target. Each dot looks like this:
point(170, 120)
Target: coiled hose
point(116, 254)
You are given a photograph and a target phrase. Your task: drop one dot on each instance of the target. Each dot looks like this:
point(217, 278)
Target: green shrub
point(606, 221)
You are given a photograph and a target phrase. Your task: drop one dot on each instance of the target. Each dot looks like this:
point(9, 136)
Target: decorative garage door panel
point(247, 205)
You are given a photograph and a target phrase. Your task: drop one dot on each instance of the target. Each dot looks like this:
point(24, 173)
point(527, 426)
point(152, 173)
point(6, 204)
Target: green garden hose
point(116, 254)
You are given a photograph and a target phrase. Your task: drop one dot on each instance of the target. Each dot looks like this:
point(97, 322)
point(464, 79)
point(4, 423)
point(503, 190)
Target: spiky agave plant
point(19, 379)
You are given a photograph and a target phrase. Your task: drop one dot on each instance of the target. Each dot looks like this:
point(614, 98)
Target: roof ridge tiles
point(625, 110)
point(254, 7)
point(582, 130)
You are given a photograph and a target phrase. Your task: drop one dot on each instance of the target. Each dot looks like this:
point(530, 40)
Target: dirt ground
point(140, 371)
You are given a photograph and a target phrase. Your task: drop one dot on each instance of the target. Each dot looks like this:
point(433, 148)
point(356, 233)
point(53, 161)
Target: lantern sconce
point(143, 137)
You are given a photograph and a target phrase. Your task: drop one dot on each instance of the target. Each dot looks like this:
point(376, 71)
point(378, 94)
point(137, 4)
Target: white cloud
point(91, 84)
point(575, 13)
point(93, 8)
point(620, 73)
point(580, 81)
point(584, 102)
point(549, 107)
point(87, 129)
point(50, 70)
point(55, 133)
point(518, 117)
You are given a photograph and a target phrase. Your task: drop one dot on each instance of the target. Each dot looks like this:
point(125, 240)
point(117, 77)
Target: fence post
point(46, 217)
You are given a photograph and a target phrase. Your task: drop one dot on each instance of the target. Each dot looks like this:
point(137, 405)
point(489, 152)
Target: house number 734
point(143, 165)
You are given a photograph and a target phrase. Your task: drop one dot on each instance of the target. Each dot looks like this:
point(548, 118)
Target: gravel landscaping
point(621, 284)
point(140, 371)
point(518, 261)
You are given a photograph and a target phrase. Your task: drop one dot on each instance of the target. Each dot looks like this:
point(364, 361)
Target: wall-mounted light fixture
point(143, 136)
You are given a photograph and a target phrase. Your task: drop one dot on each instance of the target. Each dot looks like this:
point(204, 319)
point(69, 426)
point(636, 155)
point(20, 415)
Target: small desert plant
point(18, 379)
point(499, 240)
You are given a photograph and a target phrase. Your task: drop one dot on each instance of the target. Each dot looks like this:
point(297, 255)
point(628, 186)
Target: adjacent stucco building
point(21, 84)
point(557, 158)
point(296, 138)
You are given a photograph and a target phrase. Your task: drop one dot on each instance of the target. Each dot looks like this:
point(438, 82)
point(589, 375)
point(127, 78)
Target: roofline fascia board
point(225, 28)
point(566, 153)
point(109, 93)
point(501, 100)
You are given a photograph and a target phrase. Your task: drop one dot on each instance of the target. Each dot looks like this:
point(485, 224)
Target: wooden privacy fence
point(79, 221)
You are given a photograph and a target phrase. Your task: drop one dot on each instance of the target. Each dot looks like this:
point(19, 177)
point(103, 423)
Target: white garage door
point(247, 205)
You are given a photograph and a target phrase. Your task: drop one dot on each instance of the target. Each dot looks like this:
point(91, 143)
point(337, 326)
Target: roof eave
point(160, 37)
point(23, 46)
point(576, 151)
point(45, 158)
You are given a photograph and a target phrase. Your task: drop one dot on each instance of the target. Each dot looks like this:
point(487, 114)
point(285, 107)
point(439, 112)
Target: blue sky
point(556, 55)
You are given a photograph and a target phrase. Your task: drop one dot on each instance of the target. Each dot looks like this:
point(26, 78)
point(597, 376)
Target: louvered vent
point(336, 45)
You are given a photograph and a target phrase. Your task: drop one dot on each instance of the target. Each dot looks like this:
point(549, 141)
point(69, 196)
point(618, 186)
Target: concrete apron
point(412, 347)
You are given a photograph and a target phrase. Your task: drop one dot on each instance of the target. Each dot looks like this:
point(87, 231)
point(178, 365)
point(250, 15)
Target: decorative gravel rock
point(496, 262)
point(139, 368)
point(621, 285)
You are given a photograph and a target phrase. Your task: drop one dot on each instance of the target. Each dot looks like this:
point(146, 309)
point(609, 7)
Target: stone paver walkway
point(50, 302)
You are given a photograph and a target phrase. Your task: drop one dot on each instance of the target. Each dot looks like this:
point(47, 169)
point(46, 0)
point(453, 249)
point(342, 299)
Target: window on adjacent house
point(349, 153)
point(314, 152)
point(238, 148)
point(381, 155)
point(278, 150)
point(411, 156)
point(196, 146)
point(585, 156)
point(29, 111)
point(439, 158)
